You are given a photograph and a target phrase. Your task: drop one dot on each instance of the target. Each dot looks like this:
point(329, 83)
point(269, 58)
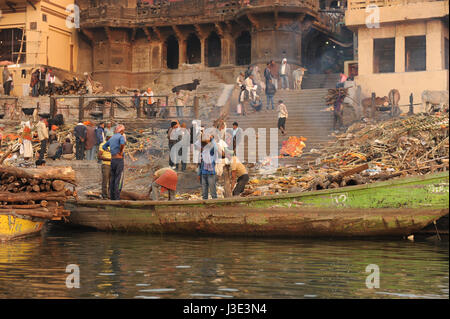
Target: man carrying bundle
point(164, 179)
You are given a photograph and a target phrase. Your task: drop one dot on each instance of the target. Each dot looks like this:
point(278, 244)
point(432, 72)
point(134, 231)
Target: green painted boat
point(392, 208)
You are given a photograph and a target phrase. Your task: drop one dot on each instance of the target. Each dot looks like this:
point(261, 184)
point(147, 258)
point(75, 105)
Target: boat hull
point(16, 226)
point(394, 208)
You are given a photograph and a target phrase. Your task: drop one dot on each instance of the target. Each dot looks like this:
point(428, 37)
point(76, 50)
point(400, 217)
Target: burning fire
point(293, 147)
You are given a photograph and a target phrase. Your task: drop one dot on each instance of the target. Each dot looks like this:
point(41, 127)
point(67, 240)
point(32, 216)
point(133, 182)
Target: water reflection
point(151, 267)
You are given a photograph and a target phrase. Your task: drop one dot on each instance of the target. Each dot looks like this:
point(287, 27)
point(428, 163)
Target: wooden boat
point(13, 226)
point(392, 208)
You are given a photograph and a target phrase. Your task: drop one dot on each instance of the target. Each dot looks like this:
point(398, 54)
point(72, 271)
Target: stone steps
point(307, 118)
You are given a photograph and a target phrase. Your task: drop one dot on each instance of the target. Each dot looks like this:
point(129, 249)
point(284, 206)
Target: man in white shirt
point(284, 74)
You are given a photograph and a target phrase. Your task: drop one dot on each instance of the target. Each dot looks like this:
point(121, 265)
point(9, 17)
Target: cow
point(379, 102)
point(187, 87)
point(434, 98)
point(298, 77)
point(394, 98)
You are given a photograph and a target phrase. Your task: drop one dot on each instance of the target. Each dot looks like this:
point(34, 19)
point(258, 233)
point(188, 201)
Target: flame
point(293, 147)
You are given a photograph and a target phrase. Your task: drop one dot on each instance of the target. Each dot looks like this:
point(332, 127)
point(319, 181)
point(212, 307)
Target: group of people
point(153, 107)
point(88, 137)
point(46, 136)
point(250, 83)
point(217, 151)
point(39, 79)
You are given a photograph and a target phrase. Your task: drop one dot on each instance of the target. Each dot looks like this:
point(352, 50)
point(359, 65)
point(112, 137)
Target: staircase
point(315, 81)
point(307, 118)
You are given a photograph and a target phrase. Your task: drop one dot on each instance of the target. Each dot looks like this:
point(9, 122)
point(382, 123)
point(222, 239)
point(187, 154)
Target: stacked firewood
point(70, 87)
point(36, 192)
point(333, 95)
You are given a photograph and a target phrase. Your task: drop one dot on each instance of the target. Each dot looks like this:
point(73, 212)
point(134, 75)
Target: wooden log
point(126, 195)
point(58, 185)
point(66, 174)
point(21, 206)
point(24, 197)
point(41, 213)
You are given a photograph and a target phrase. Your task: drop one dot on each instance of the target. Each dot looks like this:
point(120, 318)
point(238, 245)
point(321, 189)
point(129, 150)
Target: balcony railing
point(363, 4)
point(206, 9)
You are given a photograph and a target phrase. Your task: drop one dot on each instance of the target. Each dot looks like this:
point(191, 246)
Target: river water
point(145, 266)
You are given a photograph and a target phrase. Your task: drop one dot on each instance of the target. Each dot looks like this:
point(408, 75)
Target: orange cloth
point(168, 179)
point(26, 133)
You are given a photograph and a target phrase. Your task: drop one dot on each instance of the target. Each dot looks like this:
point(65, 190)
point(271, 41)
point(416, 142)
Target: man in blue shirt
point(207, 169)
point(116, 145)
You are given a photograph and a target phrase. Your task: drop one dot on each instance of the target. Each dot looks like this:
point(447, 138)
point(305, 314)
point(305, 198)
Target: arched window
point(244, 49)
point(214, 50)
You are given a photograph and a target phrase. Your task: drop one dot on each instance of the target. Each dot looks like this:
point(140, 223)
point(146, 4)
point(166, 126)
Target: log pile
point(71, 87)
point(39, 192)
point(367, 153)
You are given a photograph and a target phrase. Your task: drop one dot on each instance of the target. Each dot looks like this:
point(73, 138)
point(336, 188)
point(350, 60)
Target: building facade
point(405, 49)
point(36, 33)
point(129, 42)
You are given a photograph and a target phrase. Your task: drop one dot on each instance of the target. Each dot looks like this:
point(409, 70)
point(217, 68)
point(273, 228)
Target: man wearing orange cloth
point(164, 179)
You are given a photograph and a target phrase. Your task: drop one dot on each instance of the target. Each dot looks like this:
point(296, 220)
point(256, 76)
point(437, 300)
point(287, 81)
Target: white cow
point(433, 98)
point(298, 77)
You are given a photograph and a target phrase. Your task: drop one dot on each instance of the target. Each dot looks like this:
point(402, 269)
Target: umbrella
point(2, 63)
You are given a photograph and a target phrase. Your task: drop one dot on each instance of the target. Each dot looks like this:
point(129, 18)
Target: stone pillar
point(203, 49)
point(182, 49)
point(434, 45)
point(227, 41)
point(400, 65)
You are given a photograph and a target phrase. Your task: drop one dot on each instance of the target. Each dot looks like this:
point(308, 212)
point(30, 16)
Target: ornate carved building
point(135, 40)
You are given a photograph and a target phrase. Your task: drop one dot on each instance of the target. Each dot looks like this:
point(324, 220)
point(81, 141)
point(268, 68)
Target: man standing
point(237, 135)
point(164, 179)
point(136, 100)
point(207, 170)
point(173, 139)
point(91, 142)
point(239, 172)
point(274, 72)
point(51, 79)
point(338, 112)
point(42, 131)
point(42, 76)
point(80, 139)
point(117, 146)
point(270, 93)
point(34, 83)
point(267, 74)
point(179, 102)
point(285, 70)
point(100, 135)
point(282, 116)
point(7, 80)
point(105, 156)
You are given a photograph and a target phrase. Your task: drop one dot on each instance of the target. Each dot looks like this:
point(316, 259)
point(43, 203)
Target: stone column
point(400, 63)
point(203, 48)
point(182, 48)
point(434, 45)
